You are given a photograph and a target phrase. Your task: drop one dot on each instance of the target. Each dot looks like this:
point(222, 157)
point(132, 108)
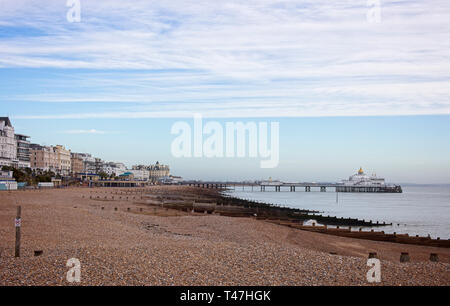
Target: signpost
point(18, 224)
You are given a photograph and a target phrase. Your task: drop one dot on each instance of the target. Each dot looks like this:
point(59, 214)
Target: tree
point(103, 175)
point(7, 168)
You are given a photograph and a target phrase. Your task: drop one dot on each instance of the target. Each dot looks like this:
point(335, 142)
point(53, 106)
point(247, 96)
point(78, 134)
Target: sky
point(347, 90)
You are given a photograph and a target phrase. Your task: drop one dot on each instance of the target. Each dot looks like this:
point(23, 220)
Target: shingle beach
point(140, 244)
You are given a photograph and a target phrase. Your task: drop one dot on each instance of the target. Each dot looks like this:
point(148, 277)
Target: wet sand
point(156, 246)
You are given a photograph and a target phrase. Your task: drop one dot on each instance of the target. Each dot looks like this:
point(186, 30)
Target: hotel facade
point(43, 158)
point(8, 144)
point(51, 158)
point(14, 148)
point(76, 164)
point(63, 160)
point(156, 172)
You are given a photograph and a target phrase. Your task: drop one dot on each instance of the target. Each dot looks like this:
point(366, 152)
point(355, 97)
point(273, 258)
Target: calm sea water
point(416, 211)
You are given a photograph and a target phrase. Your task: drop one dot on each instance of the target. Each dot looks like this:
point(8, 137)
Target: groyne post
point(434, 257)
point(18, 224)
point(404, 257)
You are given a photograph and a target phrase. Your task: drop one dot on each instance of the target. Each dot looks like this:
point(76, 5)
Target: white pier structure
point(358, 182)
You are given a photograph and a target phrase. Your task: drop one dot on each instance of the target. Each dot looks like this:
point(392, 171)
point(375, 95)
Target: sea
point(419, 210)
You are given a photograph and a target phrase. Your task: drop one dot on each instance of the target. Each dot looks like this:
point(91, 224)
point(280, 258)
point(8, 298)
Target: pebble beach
point(132, 242)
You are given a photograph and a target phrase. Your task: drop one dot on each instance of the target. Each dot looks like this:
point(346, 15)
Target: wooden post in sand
point(434, 257)
point(18, 223)
point(404, 257)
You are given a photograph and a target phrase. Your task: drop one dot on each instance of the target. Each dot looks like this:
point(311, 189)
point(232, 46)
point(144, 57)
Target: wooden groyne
point(210, 201)
point(216, 203)
point(368, 235)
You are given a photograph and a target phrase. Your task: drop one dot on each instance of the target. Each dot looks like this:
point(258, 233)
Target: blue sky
point(347, 92)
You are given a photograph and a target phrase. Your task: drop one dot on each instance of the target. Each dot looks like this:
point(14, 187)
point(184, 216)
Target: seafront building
point(173, 180)
point(140, 175)
point(14, 148)
point(88, 162)
point(91, 164)
point(23, 151)
point(157, 172)
point(99, 165)
point(63, 160)
point(94, 165)
point(48, 158)
point(43, 158)
point(114, 169)
point(76, 164)
point(17, 151)
point(8, 144)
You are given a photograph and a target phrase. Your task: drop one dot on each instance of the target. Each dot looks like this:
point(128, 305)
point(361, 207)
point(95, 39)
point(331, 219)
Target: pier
point(276, 186)
point(359, 182)
point(293, 187)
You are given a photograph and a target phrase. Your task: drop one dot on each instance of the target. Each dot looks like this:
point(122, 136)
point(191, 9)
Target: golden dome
point(360, 171)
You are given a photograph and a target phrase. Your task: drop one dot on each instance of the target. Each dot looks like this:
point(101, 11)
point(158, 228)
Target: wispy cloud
point(92, 131)
point(228, 58)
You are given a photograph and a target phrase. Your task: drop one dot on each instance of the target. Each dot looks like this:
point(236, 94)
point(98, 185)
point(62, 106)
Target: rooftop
point(6, 120)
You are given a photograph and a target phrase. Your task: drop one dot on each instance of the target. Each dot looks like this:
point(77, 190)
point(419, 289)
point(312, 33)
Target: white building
point(8, 144)
point(157, 172)
point(89, 162)
point(175, 179)
point(362, 179)
point(115, 169)
point(140, 175)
